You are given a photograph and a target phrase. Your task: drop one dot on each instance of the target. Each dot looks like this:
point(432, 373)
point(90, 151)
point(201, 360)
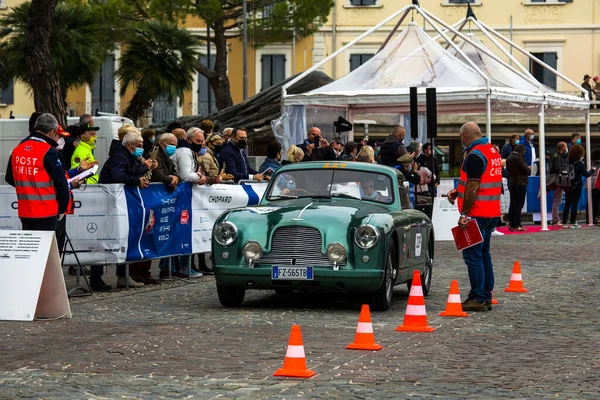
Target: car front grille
point(296, 245)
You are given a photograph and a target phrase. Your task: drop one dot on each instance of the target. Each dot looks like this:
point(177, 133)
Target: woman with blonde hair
point(294, 154)
point(366, 154)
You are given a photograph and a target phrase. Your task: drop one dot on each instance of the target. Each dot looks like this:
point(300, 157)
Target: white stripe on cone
point(416, 290)
point(454, 298)
point(295, 351)
point(516, 277)
point(364, 327)
point(415, 310)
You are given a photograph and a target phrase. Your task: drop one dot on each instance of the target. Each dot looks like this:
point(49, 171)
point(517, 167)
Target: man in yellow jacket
point(85, 150)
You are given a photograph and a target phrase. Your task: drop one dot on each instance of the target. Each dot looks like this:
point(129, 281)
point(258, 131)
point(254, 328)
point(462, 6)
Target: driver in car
point(303, 185)
point(368, 192)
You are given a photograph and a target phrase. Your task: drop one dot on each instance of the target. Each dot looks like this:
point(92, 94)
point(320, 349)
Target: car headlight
point(366, 236)
point(336, 252)
point(252, 251)
point(225, 233)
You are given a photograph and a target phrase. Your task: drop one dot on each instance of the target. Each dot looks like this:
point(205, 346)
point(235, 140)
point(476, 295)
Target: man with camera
point(313, 141)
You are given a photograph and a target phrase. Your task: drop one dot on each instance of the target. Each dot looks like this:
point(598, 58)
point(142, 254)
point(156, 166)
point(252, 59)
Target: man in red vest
point(38, 175)
point(478, 193)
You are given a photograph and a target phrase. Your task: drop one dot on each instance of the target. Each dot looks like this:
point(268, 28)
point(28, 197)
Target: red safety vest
point(487, 203)
point(35, 188)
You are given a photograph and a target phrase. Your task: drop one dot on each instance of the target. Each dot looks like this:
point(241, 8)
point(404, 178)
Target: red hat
point(61, 132)
point(596, 78)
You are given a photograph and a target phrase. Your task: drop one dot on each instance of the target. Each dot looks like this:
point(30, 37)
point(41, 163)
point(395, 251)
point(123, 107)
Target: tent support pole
point(542, 158)
point(535, 59)
point(393, 32)
point(342, 49)
point(488, 115)
point(588, 156)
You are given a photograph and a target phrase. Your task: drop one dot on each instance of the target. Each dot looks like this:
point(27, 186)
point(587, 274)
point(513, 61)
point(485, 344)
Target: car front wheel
point(382, 298)
point(229, 296)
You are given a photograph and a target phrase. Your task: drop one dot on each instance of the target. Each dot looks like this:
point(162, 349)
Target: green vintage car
point(325, 226)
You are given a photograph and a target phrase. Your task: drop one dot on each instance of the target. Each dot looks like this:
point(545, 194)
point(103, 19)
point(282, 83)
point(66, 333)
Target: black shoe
point(206, 271)
point(85, 270)
point(488, 304)
point(474, 305)
point(100, 286)
point(164, 275)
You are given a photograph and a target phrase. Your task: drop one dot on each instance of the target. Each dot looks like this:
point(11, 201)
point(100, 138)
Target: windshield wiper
point(282, 196)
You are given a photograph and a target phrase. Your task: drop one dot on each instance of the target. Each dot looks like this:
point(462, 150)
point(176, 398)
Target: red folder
point(465, 238)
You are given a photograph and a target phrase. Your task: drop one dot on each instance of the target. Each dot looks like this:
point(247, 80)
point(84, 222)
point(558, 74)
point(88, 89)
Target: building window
point(3, 5)
point(363, 2)
point(543, 75)
point(7, 95)
point(549, 1)
point(272, 70)
point(103, 89)
point(206, 95)
point(163, 109)
point(356, 60)
point(459, 2)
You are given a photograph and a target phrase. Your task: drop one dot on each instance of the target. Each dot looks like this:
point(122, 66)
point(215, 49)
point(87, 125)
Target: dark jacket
point(528, 153)
point(391, 149)
point(148, 146)
point(430, 163)
point(518, 171)
point(507, 149)
point(55, 168)
point(303, 146)
point(411, 176)
point(580, 172)
point(557, 161)
point(165, 168)
point(269, 163)
point(325, 154)
point(121, 166)
point(236, 162)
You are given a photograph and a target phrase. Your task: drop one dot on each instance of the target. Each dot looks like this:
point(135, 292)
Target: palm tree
point(79, 42)
point(159, 59)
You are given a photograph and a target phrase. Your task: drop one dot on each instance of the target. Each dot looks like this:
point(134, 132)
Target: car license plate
point(292, 273)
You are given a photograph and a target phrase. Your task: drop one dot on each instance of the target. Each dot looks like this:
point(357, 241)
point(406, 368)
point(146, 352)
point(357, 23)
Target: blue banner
point(160, 222)
point(533, 197)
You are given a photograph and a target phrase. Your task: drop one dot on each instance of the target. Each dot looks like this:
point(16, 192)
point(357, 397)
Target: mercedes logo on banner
point(92, 227)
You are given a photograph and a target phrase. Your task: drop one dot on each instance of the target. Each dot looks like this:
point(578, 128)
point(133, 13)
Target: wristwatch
point(464, 215)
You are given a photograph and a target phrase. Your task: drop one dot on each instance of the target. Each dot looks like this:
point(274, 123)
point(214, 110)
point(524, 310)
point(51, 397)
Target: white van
point(12, 131)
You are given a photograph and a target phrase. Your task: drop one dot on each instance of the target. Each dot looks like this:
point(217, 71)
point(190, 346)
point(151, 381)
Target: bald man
point(478, 193)
point(530, 153)
point(313, 140)
point(393, 147)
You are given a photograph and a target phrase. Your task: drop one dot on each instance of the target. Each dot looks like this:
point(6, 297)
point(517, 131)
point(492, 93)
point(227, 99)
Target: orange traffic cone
point(364, 339)
point(415, 318)
point(294, 364)
point(516, 280)
point(494, 301)
point(454, 305)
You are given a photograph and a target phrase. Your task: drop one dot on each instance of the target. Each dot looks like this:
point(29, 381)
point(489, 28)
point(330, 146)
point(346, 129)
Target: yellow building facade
point(562, 32)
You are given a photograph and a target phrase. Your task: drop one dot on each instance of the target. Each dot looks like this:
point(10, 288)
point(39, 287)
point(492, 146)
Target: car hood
point(336, 219)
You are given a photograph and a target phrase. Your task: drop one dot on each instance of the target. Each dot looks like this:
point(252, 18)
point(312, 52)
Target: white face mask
point(61, 143)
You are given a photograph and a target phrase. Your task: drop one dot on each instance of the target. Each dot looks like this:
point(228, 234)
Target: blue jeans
point(479, 262)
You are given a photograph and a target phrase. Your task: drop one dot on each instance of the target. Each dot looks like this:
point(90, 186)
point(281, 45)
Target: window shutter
point(278, 69)
point(108, 84)
point(7, 96)
point(369, 2)
point(265, 60)
point(549, 76)
point(365, 58)
point(355, 61)
point(355, 2)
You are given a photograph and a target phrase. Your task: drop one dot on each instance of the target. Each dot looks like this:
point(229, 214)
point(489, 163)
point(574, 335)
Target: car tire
point(230, 296)
point(381, 299)
point(427, 272)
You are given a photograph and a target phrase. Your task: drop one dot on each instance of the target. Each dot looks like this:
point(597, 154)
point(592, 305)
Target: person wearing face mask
point(149, 136)
point(85, 150)
point(36, 172)
point(573, 193)
point(329, 151)
point(508, 148)
point(235, 160)
point(186, 157)
point(575, 139)
point(527, 141)
point(367, 189)
point(166, 172)
point(124, 166)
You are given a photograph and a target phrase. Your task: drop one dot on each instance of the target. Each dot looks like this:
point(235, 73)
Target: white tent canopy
point(469, 78)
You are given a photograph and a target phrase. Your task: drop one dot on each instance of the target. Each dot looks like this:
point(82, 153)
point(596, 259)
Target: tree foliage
point(160, 59)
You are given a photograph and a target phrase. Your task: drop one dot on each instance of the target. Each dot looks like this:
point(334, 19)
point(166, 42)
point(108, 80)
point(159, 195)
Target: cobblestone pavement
point(176, 341)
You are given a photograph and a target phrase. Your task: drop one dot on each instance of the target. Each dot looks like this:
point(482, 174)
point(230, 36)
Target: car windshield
point(327, 183)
